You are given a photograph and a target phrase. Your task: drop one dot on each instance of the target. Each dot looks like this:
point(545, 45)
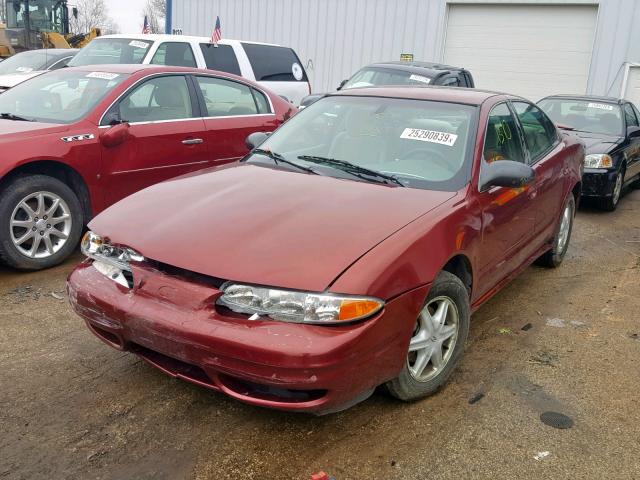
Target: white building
point(528, 47)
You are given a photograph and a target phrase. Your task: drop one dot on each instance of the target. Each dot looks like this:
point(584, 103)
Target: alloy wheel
point(40, 225)
point(565, 228)
point(617, 189)
point(434, 339)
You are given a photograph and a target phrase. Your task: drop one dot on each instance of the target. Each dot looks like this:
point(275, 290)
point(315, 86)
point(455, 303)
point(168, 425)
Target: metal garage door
point(529, 50)
point(633, 85)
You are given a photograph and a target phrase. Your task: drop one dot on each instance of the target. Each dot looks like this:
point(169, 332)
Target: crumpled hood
point(260, 225)
point(596, 143)
point(13, 79)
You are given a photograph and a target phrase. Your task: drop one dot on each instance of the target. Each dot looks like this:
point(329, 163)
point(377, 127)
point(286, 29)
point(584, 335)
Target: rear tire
point(425, 371)
point(553, 258)
point(41, 222)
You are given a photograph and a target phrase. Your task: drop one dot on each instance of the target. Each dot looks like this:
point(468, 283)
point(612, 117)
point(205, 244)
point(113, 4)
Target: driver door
point(508, 217)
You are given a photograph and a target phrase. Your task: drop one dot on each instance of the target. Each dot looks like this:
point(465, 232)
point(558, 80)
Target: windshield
point(584, 115)
point(371, 76)
point(25, 62)
point(44, 15)
point(422, 144)
point(111, 51)
point(62, 96)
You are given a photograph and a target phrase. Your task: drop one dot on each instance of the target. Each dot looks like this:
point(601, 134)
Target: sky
point(127, 14)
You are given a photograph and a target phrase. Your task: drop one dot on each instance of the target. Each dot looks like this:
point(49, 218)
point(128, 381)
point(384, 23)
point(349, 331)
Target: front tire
point(437, 341)
point(40, 222)
point(609, 204)
point(553, 258)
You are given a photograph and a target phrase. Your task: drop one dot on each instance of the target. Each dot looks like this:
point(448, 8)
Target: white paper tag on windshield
point(103, 75)
point(420, 78)
point(429, 136)
point(601, 106)
point(137, 44)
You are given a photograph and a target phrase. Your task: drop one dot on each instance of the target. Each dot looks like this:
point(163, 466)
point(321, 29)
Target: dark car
point(399, 74)
point(610, 129)
point(347, 251)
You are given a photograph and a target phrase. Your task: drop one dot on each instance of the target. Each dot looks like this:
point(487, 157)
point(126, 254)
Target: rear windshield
point(25, 62)
point(370, 76)
point(584, 115)
point(112, 50)
point(221, 58)
point(275, 64)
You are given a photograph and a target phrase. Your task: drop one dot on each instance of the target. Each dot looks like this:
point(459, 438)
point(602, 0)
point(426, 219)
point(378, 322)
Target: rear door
point(232, 111)
point(278, 69)
point(508, 218)
point(167, 135)
point(547, 158)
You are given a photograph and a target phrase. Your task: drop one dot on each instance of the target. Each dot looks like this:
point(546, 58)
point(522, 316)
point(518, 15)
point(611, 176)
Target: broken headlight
point(297, 307)
point(110, 260)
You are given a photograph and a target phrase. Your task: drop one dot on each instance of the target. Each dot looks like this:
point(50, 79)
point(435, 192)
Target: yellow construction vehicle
point(35, 24)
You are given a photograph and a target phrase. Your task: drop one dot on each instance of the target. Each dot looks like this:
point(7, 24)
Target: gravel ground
point(565, 340)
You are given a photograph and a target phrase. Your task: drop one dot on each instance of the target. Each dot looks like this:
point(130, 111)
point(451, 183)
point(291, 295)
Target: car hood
point(264, 226)
point(597, 143)
point(13, 79)
point(15, 130)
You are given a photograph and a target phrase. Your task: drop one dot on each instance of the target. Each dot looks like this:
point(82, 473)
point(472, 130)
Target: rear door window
point(539, 132)
point(224, 98)
point(177, 54)
point(221, 58)
point(274, 64)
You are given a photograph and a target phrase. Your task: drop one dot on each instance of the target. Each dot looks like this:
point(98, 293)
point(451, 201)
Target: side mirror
point(309, 99)
point(505, 173)
point(256, 139)
point(342, 84)
point(633, 132)
point(115, 135)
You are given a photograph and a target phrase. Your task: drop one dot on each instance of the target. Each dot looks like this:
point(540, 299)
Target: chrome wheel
point(565, 227)
point(40, 225)
point(434, 339)
point(617, 189)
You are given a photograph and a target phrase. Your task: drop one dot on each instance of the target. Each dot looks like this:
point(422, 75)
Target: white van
point(277, 68)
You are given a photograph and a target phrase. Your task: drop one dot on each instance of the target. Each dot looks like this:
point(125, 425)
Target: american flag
point(146, 29)
point(217, 32)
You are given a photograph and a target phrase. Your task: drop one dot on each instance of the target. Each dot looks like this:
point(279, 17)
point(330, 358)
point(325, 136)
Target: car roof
point(157, 37)
point(429, 69)
point(130, 69)
point(469, 96)
point(597, 98)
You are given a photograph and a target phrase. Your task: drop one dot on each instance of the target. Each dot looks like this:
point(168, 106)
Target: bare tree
point(156, 10)
point(92, 13)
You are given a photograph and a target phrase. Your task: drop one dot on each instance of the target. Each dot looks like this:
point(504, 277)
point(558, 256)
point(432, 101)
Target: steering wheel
point(432, 156)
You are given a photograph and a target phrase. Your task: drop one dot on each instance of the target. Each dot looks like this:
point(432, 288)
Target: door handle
point(192, 141)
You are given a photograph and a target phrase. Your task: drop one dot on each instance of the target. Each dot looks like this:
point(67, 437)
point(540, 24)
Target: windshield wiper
point(11, 116)
point(353, 169)
point(277, 158)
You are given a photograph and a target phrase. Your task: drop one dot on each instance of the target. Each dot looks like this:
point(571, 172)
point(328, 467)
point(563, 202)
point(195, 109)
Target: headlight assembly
point(297, 307)
point(599, 160)
point(110, 260)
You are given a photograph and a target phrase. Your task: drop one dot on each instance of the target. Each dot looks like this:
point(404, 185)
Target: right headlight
point(110, 260)
point(598, 160)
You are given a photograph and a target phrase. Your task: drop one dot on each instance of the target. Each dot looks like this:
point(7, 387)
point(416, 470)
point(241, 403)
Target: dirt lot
point(71, 407)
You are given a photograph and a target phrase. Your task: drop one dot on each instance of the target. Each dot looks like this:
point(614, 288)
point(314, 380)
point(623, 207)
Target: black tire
point(12, 195)
point(609, 204)
point(553, 258)
point(405, 386)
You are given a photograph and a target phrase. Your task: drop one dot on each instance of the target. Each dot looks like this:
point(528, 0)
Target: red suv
point(75, 141)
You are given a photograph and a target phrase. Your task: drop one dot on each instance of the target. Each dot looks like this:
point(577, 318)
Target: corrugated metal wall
point(336, 37)
point(332, 37)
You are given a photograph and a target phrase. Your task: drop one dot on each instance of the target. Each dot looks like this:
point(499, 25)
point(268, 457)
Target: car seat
point(173, 103)
point(361, 139)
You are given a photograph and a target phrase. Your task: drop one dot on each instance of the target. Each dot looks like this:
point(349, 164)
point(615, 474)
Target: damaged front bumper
point(173, 323)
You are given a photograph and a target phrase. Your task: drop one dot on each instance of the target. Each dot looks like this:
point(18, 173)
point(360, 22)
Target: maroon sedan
point(346, 251)
point(75, 141)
